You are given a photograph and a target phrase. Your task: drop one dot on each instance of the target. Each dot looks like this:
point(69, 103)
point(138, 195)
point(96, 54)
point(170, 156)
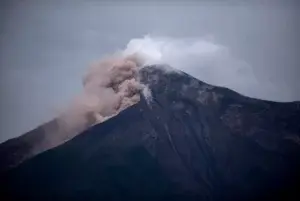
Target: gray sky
point(45, 46)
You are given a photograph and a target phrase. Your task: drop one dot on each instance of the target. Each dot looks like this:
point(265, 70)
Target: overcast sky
point(45, 46)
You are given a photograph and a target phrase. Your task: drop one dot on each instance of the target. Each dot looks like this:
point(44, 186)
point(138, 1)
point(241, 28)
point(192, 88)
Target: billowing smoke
point(110, 86)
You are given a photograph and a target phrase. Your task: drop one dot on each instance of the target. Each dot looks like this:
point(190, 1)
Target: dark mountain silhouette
point(191, 141)
point(16, 150)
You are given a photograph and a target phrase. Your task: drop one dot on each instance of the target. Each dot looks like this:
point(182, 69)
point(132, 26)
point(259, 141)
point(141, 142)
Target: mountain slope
point(191, 141)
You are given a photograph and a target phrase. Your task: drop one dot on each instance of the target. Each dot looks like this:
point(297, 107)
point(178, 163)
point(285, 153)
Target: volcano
point(187, 141)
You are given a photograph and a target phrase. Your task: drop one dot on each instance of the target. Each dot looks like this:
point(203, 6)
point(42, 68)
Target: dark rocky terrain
point(191, 141)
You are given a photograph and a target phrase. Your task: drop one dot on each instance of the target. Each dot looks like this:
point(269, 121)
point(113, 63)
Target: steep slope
point(16, 150)
point(190, 141)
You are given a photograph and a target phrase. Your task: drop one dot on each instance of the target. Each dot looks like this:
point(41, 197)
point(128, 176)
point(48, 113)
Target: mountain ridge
point(192, 140)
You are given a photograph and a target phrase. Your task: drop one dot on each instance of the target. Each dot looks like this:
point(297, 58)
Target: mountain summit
point(185, 140)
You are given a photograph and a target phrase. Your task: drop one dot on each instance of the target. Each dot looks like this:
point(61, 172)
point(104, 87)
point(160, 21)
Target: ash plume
point(110, 86)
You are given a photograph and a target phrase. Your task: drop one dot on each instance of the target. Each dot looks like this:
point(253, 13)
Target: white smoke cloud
point(204, 59)
point(147, 94)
